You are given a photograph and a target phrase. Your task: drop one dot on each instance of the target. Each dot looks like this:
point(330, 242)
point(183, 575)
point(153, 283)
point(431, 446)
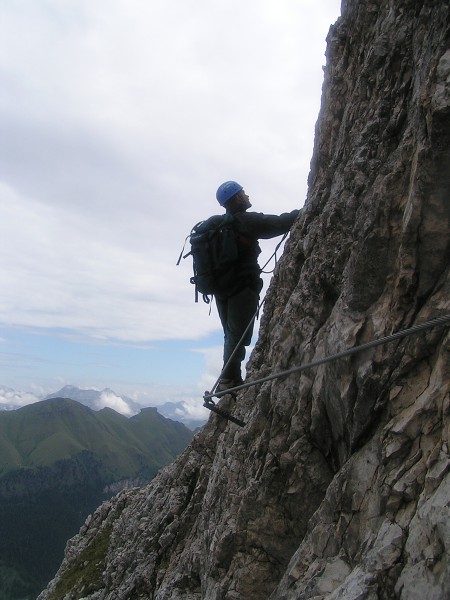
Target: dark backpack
point(215, 252)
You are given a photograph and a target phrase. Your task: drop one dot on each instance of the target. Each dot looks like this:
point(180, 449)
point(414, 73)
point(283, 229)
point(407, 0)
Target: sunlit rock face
point(338, 486)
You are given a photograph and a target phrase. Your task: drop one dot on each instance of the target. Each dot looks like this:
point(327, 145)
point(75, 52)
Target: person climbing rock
point(237, 305)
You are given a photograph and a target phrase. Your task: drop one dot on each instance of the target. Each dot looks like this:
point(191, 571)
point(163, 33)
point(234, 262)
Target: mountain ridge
point(59, 459)
point(91, 397)
point(98, 399)
point(59, 428)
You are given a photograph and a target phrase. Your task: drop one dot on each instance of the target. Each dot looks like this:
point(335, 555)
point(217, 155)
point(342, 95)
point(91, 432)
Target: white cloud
point(98, 288)
point(118, 121)
point(213, 365)
point(10, 398)
point(110, 400)
point(192, 410)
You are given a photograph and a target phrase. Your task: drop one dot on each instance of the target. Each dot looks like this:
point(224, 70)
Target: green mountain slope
point(58, 459)
point(40, 434)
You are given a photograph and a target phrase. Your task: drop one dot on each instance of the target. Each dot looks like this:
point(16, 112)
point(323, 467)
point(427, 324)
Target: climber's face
point(238, 203)
point(244, 200)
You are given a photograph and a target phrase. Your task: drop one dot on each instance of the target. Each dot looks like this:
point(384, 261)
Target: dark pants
point(235, 314)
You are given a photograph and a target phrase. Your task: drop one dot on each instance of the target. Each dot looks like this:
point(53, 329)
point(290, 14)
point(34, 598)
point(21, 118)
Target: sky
point(118, 121)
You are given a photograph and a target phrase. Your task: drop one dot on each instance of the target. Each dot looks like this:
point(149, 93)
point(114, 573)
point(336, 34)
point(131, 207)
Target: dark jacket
point(251, 227)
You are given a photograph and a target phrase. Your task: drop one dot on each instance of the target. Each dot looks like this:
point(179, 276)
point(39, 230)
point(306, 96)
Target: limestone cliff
point(339, 484)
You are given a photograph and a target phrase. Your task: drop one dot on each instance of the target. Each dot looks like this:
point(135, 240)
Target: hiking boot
point(226, 384)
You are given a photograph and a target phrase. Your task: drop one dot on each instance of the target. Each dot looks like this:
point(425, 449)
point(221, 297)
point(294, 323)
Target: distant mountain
point(59, 459)
point(97, 399)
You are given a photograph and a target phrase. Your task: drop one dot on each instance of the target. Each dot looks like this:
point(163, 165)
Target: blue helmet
point(227, 190)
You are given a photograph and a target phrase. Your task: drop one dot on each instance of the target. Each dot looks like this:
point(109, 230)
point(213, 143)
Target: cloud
point(191, 410)
point(102, 290)
point(118, 121)
point(213, 357)
point(110, 400)
point(10, 398)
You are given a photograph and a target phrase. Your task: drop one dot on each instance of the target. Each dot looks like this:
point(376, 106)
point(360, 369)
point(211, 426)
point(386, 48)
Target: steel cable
point(437, 322)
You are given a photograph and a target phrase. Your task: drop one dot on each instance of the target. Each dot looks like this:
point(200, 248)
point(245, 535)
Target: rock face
point(339, 484)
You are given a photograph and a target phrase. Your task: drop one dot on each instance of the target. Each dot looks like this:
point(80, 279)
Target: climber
point(238, 305)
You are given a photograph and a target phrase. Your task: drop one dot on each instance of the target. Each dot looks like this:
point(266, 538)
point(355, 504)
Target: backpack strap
point(182, 250)
point(185, 242)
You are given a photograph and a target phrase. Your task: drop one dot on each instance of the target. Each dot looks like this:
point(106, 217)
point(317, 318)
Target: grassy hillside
point(56, 459)
point(40, 434)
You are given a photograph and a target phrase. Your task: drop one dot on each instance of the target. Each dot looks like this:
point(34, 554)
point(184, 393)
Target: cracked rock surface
point(338, 487)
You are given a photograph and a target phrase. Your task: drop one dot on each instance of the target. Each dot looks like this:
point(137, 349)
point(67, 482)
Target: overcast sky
point(118, 121)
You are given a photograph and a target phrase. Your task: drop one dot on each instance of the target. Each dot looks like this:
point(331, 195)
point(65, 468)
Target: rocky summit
point(338, 486)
